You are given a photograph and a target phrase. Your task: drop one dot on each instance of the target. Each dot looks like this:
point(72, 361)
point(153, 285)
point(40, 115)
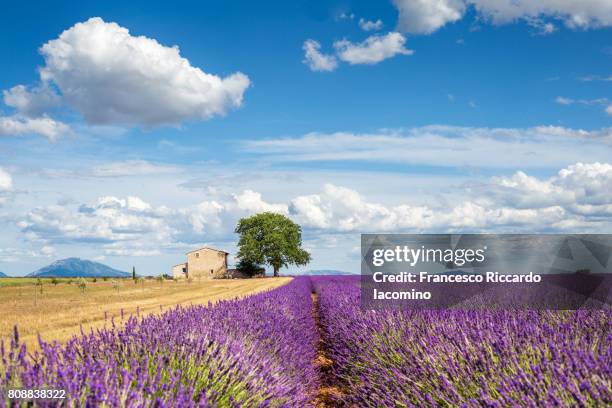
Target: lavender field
point(309, 344)
point(464, 358)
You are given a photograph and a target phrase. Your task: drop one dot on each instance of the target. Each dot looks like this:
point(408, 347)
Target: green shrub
point(115, 284)
point(82, 284)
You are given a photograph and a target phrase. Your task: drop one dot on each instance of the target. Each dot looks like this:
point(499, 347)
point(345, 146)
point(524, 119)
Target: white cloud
point(132, 226)
point(112, 77)
point(31, 102)
point(315, 59)
point(12, 254)
point(132, 168)
point(6, 181)
point(343, 210)
point(590, 78)
point(47, 251)
point(110, 219)
point(367, 25)
point(446, 146)
point(427, 16)
point(561, 100)
point(581, 188)
point(374, 49)
point(204, 215)
point(569, 101)
point(542, 27)
point(346, 16)
point(44, 126)
point(587, 102)
point(582, 14)
point(579, 197)
point(252, 202)
point(6, 186)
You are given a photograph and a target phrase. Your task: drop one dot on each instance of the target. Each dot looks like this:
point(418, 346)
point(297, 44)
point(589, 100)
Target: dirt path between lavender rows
point(329, 393)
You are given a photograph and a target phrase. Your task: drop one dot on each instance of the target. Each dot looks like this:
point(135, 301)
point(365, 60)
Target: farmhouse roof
point(182, 263)
point(209, 248)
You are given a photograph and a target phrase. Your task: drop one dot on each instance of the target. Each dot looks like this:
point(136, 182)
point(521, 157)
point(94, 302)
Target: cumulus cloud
point(17, 125)
point(581, 188)
point(579, 196)
point(446, 146)
point(110, 221)
point(133, 226)
point(367, 25)
point(112, 77)
point(6, 181)
point(427, 16)
point(373, 49)
point(341, 209)
point(315, 59)
point(33, 102)
point(252, 202)
point(582, 14)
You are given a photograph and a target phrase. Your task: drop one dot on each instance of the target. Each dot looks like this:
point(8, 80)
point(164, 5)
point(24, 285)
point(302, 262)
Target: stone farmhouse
point(208, 263)
point(204, 262)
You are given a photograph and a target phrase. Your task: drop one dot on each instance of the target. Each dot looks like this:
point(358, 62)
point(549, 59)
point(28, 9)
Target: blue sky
point(404, 116)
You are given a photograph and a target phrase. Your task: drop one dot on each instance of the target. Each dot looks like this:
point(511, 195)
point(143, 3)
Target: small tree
point(82, 284)
point(272, 239)
point(134, 273)
point(249, 268)
point(141, 281)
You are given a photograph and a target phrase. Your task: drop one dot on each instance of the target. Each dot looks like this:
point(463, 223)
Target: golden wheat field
point(57, 310)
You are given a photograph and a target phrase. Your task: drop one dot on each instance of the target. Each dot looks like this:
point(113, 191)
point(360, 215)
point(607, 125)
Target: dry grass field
point(58, 312)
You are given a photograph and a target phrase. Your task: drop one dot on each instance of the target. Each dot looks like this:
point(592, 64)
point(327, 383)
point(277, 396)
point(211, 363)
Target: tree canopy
point(272, 239)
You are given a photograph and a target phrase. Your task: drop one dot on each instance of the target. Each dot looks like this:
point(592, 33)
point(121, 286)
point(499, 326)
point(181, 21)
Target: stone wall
point(179, 271)
point(206, 263)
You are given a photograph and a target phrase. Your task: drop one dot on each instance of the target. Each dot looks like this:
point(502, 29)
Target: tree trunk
point(276, 268)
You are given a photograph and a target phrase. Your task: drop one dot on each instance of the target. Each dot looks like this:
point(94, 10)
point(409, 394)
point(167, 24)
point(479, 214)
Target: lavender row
point(256, 351)
point(464, 358)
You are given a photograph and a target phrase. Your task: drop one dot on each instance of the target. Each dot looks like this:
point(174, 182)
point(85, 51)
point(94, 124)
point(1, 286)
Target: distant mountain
point(76, 268)
point(3, 275)
point(326, 272)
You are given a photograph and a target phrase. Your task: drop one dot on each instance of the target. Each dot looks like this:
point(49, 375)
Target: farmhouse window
point(197, 254)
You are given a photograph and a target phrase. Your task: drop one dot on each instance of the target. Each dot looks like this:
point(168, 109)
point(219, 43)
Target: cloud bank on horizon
point(130, 174)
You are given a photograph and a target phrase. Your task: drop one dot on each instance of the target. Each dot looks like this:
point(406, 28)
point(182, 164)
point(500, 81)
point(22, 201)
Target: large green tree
point(273, 239)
